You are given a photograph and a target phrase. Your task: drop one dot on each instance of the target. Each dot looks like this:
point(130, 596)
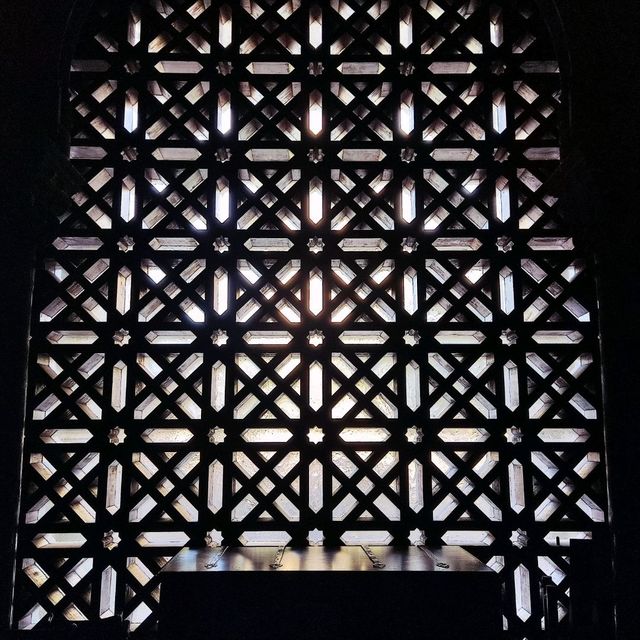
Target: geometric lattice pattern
point(316, 289)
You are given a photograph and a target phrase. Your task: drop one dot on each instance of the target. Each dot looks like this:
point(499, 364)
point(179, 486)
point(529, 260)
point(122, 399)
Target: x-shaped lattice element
point(270, 110)
point(177, 194)
point(450, 27)
point(535, 186)
point(265, 486)
point(272, 28)
point(354, 28)
point(272, 289)
point(452, 111)
point(362, 291)
point(564, 485)
point(365, 486)
point(168, 386)
point(92, 207)
point(367, 391)
point(178, 29)
point(63, 489)
point(361, 200)
point(142, 592)
point(362, 111)
point(74, 388)
point(462, 385)
point(171, 288)
point(82, 288)
point(95, 110)
point(548, 291)
point(267, 386)
point(535, 108)
point(459, 290)
point(60, 583)
point(164, 487)
point(270, 198)
point(457, 197)
point(558, 389)
point(466, 485)
point(177, 110)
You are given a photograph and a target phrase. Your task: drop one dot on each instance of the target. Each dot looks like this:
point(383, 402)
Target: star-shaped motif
point(116, 436)
point(414, 435)
point(223, 155)
point(315, 538)
point(409, 244)
point(513, 435)
point(126, 244)
point(213, 538)
point(219, 337)
point(408, 155)
point(504, 244)
point(316, 245)
point(216, 435)
point(315, 435)
point(121, 337)
point(406, 68)
point(129, 154)
point(132, 66)
point(417, 537)
point(221, 245)
point(508, 337)
point(519, 538)
point(411, 337)
point(315, 155)
point(110, 540)
point(315, 337)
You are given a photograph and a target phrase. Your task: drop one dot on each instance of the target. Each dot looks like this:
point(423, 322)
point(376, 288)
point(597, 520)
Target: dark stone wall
point(31, 34)
point(599, 53)
point(602, 175)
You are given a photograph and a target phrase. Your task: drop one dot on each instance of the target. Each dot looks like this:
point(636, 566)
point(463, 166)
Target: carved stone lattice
point(316, 289)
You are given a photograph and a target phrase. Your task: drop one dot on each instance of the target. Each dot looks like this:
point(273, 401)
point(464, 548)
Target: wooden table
point(319, 593)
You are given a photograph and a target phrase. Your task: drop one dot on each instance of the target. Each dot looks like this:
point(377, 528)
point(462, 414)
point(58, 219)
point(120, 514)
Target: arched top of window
point(315, 289)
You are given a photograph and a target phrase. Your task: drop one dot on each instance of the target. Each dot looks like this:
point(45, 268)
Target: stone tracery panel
point(316, 289)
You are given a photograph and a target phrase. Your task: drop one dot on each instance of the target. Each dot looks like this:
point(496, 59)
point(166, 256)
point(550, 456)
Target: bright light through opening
point(406, 25)
point(128, 199)
point(473, 181)
point(410, 290)
point(408, 200)
point(496, 33)
point(315, 292)
point(315, 26)
point(315, 112)
point(499, 112)
point(503, 206)
point(315, 200)
point(220, 291)
point(315, 386)
point(406, 112)
point(194, 312)
point(131, 111)
point(224, 26)
point(222, 200)
point(224, 112)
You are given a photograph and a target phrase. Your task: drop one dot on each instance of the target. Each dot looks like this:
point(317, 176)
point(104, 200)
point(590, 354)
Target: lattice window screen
point(316, 288)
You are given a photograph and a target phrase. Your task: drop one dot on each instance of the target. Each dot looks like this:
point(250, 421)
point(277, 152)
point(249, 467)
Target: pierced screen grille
point(315, 289)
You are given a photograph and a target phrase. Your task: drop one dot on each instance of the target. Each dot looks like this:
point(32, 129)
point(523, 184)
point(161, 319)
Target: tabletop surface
point(348, 558)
